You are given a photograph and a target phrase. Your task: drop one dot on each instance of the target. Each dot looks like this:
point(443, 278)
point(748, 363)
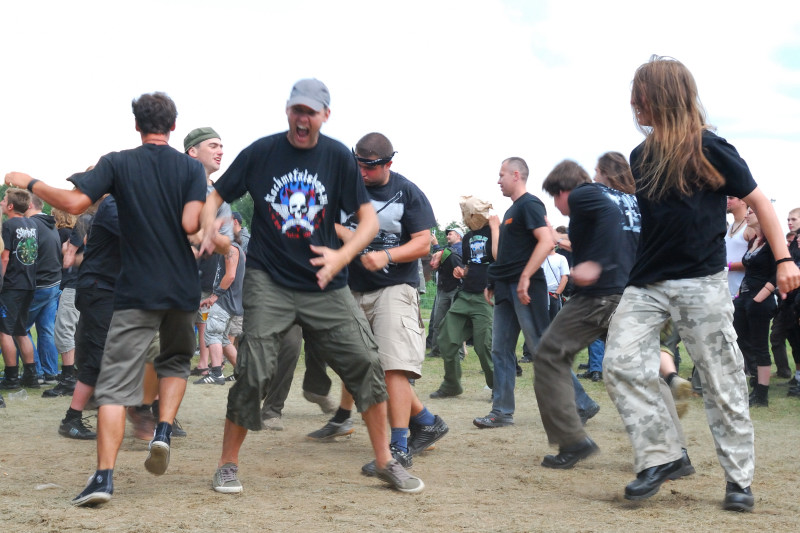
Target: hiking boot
point(158, 459)
point(588, 413)
point(681, 392)
point(65, 387)
point(328, 404)
point(97, 491)
point(274, 423)
point(144, 423)
point(423, 437)
point(177, 429)
point(29, 381)
point(10, 384)
point(492, 421)
point(225, 479)
point(332, 430)
point(686, 469)
point(399, 479)
point(398, 455)
point(76, 429)
point(50, 379)
point(439, 394)
point(737, 498)
point(760, 396)
point(210, 379)
point(568, 456)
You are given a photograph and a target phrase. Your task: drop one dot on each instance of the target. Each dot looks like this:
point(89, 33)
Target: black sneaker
point(210, 379)
point(99, 490)
point(29, 381)
point(50, 379)
point(177, 429)
point(64, 388)
point(332, 430)
point(492, 421)
point(589, 413)
point(10, 384)
point(76, 429)
point(158, 459)
point(738, 499)
point(423, 437)
point(399, 455)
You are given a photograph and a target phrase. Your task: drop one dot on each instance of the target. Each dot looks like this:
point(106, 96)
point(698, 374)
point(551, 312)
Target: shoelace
point(396, 470)
point(227, 474)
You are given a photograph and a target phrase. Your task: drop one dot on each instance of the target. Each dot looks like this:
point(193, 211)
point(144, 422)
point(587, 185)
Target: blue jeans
point(42, 313)
point(510, 316)
point(597, 350)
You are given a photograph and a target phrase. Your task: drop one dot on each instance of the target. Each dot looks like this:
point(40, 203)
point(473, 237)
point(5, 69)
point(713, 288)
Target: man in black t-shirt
point(470, 315)
point(384, 281)
point(300, 182)
point(20, 238)
point(517, 285)
point(159, 192)
point(444, 262)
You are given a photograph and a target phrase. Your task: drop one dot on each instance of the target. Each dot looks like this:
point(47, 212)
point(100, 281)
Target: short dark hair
point(154, 112)
point(375, 145)
point(518, 164)
point(566, 176)
point(36, 202)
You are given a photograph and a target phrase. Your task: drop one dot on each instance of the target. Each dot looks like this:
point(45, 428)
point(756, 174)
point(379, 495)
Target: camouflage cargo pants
point(703, 314)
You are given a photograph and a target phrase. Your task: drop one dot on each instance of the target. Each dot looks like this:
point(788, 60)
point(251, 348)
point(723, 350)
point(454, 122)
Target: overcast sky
point(457, 86)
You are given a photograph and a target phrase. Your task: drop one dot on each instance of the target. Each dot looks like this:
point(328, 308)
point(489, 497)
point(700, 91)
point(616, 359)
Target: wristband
point(31, 183)
point(219, 292)
point(784, 260)
point(389, 256)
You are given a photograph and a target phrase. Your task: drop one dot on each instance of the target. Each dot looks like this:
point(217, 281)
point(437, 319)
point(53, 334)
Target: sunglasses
point(372, 162)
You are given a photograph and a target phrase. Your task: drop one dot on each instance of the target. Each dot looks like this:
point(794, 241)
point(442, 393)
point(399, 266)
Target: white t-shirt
point(736, 247)
point(555, 266)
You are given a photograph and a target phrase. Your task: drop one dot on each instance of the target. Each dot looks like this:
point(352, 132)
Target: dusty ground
point(477, 480)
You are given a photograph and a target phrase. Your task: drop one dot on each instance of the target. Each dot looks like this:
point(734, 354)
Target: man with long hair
point(683, 174)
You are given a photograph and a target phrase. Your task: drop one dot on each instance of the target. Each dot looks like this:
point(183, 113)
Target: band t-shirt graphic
point(297, 197)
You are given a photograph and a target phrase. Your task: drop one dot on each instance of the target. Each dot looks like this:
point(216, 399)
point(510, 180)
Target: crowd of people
point(144, 259)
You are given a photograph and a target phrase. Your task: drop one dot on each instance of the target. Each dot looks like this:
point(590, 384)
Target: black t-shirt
point(102, 257)
point(151, 185)
point(476, 251)
point(759, 268)
point(517, 240)
point(403, 209)
point(451, 258)
point(20, 237)
point(684, 236)
point(48, 259)
point(297, 196)
point(604, 227)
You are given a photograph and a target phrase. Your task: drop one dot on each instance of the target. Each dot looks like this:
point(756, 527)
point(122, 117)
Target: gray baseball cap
point(310, 92)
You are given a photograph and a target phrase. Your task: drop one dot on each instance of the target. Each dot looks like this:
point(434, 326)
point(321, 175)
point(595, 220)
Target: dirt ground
point(476, 480)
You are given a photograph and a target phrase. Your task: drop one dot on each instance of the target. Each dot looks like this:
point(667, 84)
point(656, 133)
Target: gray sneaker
point(274, 423)
point(328, 404)
point(226, 480)
point(158, 459)
point(332, 430)
point(397, 476)
point(398, 455)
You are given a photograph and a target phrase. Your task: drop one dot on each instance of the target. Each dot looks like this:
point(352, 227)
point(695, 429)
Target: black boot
point(761, 396)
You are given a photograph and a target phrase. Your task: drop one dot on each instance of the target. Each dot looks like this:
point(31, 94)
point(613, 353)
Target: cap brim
point(316, 105)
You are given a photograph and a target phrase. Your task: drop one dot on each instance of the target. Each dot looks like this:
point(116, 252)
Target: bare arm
point(210, 230)
point(494, 225)
point(70, 252)
point(332, 261)
point(418, 246)
point(562, 285)
point(72, 201)
point(788, 274)
point(5, 257)
point(544, 244)
point(231, 264)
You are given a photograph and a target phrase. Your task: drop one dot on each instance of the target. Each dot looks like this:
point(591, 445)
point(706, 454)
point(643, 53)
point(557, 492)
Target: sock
point(669, 378)
point(163, 431)
point(67, 370)
point(341, 415)
point(400, 438)
point(72, 414)
point(216, 371)
point(423, 418)
point(12, 372)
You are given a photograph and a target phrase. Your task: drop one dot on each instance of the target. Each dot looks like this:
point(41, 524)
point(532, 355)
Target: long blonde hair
point(664, 94)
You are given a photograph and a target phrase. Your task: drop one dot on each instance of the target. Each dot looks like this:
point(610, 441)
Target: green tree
point(244, 206)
